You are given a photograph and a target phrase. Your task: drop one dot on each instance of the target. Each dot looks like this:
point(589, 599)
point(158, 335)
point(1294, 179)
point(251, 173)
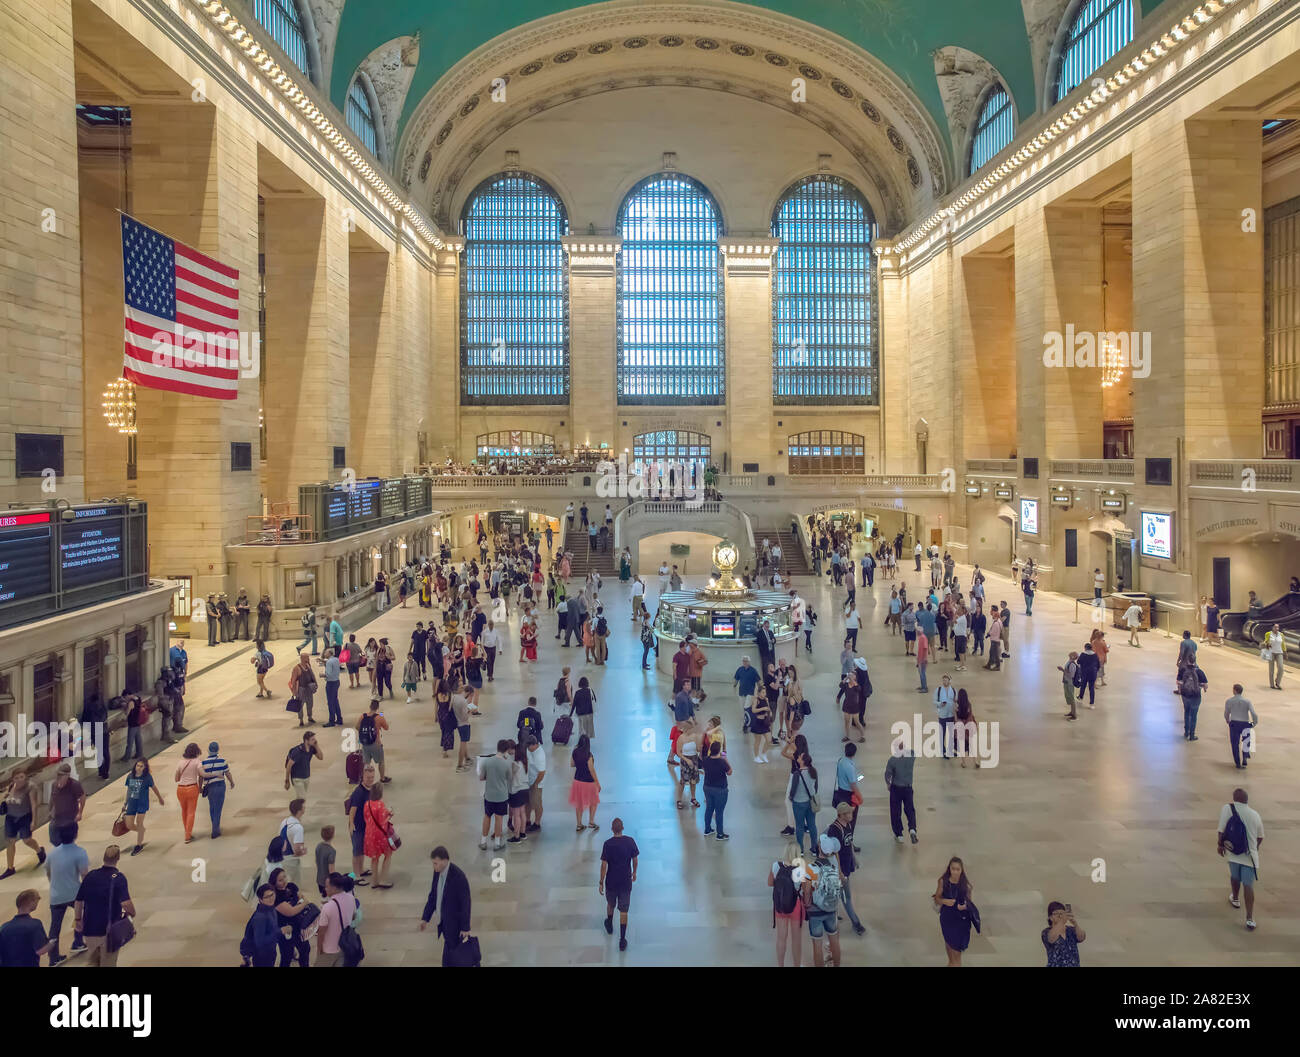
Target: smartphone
point(1069, 909)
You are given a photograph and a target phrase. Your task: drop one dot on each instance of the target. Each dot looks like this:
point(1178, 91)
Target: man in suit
point(766, 641)
point(449, 897)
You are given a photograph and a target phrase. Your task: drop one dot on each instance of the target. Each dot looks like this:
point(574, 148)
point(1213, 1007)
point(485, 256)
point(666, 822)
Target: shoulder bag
point(120, 932)
point(813, 802)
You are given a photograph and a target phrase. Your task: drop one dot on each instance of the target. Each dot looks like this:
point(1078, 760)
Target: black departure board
point(92, 549)
point(26, 571)
point(345, 508)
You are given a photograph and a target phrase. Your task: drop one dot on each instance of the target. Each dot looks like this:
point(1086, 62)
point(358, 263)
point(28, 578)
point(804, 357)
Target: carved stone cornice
point(592, 254)
point(748, 255)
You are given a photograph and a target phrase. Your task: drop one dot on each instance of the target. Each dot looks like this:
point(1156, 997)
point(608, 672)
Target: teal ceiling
point(902, 34)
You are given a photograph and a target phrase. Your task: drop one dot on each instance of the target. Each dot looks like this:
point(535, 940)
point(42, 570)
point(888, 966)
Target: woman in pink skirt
point(584, 794)
point(566, 567)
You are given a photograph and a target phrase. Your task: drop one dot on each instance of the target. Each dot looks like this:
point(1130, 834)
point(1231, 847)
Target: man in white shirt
point(537, 771)
point(638, 598)
point(291, 826)
point(917, 554)
point(1098, 583)
point(945, 703)
point(776, 555)
point(490, 640)
point(1243, 864)
point(663, 577)
point(1133, 618)
point(851, 624)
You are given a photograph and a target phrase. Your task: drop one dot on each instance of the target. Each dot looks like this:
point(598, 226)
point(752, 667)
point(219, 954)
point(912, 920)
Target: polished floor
point(1115, 813)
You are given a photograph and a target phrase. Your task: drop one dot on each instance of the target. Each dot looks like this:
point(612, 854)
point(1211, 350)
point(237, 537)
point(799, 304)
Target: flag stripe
point(142, 359)
point(202, 282)
point(195, 257)
point(151, 381)
point(196, 303)
point(140, 325)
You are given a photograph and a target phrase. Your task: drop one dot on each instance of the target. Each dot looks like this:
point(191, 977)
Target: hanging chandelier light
point(119, 405)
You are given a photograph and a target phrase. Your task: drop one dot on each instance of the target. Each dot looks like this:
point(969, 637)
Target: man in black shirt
point(419, 644)
point(22, 937)
point(529, 722)
point(618, 862)
point(102, 899)
point(449, 896)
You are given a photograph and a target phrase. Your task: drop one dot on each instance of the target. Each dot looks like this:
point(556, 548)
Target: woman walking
point(584, 707)
point(261, 662)
point(1099, 647)
point(380, 838)
point(584, 793)
point(20, 801)
point(372, 656)
point(952, 900)
point(188, 776)
point(761, 725)
point(528, 639)
point(803, 799)
point(965, 726)
point(446, 717)
point(785, 878)
point(139, 783)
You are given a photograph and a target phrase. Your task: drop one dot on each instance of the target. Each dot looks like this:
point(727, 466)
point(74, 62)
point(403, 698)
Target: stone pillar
point(40, 269)
point(898, 450)
point(987, 357)
point(371, 353)
point(194, 175)
point(442, 419)
point(748, 266)
point(593, 339)
point(307, 329)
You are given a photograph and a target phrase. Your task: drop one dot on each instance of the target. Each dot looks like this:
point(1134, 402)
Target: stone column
point(371, 346)
point(748, 268)
point(442, 420)
point(898, 449)
point(593, 339)
point(40, 270)
point(307, 329)
point(194, 175)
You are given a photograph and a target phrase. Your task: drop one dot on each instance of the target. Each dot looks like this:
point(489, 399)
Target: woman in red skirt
point(528, 638)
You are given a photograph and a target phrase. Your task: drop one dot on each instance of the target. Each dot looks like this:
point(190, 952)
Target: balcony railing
point(997, 467)
point(1110, 470)
point(1247, 475)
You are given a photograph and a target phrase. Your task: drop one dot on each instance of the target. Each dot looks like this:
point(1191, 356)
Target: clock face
point(725, 555)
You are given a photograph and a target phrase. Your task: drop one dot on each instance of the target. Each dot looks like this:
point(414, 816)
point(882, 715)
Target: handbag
point(293, 705)
point(389, 830)
point(813, 802)
point(465, 955)
point(120, 932)
point(119, 825)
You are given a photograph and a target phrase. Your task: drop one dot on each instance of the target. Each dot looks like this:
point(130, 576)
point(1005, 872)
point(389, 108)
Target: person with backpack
point(370, 737)
point(584, 707)
point(337, 942)
point(289, 845)
point(1241, 833)
point(310, 632)
point(600, 634)
point(262, 661)
point(302, 688)
point(261, 942)
point(1190, 681)
point(822, 890)
point(529, 722)
point(785, 879)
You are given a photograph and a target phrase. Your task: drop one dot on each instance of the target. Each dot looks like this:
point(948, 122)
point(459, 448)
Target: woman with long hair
point(964, 727)
point(446, 717)
point(584, 793)
point(803, 792)
point(761, 725)
point(952, 900)
point(289, 903)
point(372, 662)
point(379, 839)
point(457, 657)
point(20, 800)
point(189, 775)
point(520, 782)
point(1101, 649)
point(792, 703)
point(714, 734)
point(688, 755)
point(789, 871)
point(139, 783)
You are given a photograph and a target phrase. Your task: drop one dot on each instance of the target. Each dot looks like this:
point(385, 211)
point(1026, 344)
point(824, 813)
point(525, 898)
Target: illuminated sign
point(1029, 516)
point(1157, 536)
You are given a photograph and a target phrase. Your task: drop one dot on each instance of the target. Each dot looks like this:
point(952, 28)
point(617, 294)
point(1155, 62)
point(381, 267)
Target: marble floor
point(1120, 788)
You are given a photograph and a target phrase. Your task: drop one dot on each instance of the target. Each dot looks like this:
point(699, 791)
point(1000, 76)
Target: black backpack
point(280, 847)
point(368, 731)
point(785, 894)
point(1189, 683)
point(1235, 837)
point(602, 628)
point(350, 942)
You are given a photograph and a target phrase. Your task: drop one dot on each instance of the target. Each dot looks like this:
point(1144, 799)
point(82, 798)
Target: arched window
point(361, 115)
point(514, 446)
point(672, 445)
point(827, 451)
point(282, 19)
point(670, 296)
point(994, 128)
point(823, 296)
point(1098, 30)
point(514, 334)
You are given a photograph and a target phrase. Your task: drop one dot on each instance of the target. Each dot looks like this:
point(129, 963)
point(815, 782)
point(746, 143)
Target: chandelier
point(119, 405)
point(1112, 364)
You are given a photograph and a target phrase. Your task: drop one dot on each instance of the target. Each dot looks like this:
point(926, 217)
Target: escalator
point(1243, 628)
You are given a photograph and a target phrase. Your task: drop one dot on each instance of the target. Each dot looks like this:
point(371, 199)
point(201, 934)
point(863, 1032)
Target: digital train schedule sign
point(62, 559)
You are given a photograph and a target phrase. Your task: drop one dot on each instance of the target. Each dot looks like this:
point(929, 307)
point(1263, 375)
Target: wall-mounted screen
point(1157, 536)
point(1029, 516)
point(724, 625)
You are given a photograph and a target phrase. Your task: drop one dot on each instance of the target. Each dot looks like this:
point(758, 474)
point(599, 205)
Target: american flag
point(182, 315)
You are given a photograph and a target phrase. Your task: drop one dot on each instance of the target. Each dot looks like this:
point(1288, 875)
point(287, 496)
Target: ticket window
point(182, 602)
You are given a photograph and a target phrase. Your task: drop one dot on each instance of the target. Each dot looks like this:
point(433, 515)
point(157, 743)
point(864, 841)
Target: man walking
point(1275, 646)
point(1133, 618)
point(945, 703)
point(618, 864)
point(102, 899)
point(216, 777)
point(66, 866)
point(310, 633)
point(1241, 832)
point(449, 898)
point(67, 802)
point(842, 830)
point(898, 779)
point(22, 937)
point(1240, 716)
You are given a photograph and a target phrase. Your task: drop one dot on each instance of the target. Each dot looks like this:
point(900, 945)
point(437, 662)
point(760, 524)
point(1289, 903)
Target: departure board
point(25, 566)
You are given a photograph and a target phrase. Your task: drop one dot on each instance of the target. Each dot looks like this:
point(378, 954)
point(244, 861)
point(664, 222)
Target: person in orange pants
point(188, 776)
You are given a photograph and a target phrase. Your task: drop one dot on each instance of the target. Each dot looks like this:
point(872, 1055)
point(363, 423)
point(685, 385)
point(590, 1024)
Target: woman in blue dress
point(952, 901)
point(625, 565)
point(139, 783)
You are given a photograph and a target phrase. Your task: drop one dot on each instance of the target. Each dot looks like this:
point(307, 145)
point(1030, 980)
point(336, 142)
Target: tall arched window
point(282, 19)
point(361, 114)
point(1098, 30)
point(514, 333)
point(823, 296)
point(670, 296)
point(994, 128)
point(672, 445)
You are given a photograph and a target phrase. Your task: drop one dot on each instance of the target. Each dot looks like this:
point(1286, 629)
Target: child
point(324, 857)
